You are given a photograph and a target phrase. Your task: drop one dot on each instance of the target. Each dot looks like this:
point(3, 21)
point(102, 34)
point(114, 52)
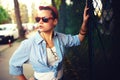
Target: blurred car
point(8, 33)
point(28, 26)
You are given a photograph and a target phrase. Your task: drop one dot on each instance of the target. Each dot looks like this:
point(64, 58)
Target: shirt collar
point(39, 39)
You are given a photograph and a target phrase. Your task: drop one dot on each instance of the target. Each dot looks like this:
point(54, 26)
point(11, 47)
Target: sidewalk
point(3, 47)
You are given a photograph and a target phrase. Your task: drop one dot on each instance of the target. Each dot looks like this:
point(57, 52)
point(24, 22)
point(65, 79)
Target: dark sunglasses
point(44, 19)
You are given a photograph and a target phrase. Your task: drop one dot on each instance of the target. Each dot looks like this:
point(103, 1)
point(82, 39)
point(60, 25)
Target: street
point(5, 55)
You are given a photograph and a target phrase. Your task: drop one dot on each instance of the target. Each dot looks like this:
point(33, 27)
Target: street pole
point(90, 40)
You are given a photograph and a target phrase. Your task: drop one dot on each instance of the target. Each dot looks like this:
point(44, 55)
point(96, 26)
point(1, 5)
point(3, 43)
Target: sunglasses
point(44, 19)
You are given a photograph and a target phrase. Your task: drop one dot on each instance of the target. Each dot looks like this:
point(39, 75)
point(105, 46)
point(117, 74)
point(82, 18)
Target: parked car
point(28, 27)
point(8, 32)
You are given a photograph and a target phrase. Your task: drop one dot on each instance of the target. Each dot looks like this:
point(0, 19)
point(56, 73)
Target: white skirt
point(48, 75)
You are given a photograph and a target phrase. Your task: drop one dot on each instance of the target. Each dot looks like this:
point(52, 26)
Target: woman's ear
point(55, 22)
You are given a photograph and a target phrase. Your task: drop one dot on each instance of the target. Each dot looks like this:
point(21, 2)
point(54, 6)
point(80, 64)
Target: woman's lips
point(40, 26)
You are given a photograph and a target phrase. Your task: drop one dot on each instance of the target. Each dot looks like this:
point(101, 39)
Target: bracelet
point(83, 30)
point(82, 33)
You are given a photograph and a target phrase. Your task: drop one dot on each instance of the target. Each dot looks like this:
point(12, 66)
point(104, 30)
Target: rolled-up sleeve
point(19, 57)
point(70, 40)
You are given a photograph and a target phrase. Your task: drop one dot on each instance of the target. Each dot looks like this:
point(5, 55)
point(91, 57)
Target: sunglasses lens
point(37, 19)
point(45, 19)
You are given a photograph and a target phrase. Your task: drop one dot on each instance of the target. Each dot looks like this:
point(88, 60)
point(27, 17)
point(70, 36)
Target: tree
point(24, 13)
point(4, 16)
point(70, 16)
point(18, 19)
point(61, 6)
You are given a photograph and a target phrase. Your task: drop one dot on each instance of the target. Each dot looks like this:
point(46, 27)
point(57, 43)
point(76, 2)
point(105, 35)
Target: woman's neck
point(47, 35)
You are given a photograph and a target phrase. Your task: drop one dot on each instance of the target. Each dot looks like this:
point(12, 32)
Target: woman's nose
point(40, 21)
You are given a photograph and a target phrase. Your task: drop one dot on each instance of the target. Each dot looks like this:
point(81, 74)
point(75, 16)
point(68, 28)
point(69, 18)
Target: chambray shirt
point(33, 50)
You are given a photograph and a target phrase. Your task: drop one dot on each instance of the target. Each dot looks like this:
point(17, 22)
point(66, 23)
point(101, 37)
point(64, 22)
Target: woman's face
point(45, 21)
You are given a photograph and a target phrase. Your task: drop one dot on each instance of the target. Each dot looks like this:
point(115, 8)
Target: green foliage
point(58, 3)
point(71, 16)
point(74, 16)
point(4, 16)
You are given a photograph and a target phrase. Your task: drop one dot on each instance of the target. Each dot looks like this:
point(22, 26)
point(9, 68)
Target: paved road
point(4, 66)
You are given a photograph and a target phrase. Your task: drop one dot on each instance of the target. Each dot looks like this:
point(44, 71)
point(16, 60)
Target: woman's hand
point(83, 29)
point(21, 77)
point(85, 15)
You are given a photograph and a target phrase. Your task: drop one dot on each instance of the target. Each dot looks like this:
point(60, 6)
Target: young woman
point(45, 50)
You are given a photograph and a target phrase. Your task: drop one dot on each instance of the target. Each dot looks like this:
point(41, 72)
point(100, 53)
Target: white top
point(51, 62)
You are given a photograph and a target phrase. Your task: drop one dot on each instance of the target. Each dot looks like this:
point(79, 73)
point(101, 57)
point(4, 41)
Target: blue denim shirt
point(33, 50)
